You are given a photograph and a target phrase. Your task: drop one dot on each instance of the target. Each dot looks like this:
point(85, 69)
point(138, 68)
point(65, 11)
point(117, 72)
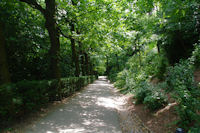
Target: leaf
point(183, 12)
point(177, 11)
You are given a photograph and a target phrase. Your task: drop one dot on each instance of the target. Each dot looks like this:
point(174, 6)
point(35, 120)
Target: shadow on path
point(92, 110)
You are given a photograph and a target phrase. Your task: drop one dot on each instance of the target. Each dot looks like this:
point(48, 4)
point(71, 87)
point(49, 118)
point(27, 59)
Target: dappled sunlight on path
point(92, 110)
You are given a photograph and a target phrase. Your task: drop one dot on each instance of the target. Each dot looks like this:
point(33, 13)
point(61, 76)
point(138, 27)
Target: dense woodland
point(51, 48)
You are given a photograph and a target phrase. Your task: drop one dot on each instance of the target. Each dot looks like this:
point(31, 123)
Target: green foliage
point(194, 129)
point(134, 78)
point(140, 68)
point(132, 74)
point(181, 82)
point(177, 28)
point(27, 42)
point(112, 77)
point(195, 58)
point(180, 76)
point(162, 67)
point(33, 94)
point(172, 27)
point(155, 100)
point(142, 92)
point(121, 79)
point(155, 64)
point(187, 110)
point(150, 95)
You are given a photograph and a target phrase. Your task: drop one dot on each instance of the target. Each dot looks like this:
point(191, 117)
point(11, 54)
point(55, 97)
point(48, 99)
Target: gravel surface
point(93, 110)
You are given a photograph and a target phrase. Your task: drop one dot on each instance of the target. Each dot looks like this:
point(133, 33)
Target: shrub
point(112, 77)
point(142, 91)
point(181, 83)
point(155, 64)
point(121, 79)
point(181, 75)
point(162, 67)
point(134, 78)
point(32, 93)
point(150, 95)
point(195, 58)
point(188, 105)
point(140, 70)
point(155, 100)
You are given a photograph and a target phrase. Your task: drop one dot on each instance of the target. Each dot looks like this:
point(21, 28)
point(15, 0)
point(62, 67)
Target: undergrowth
point(178, 80)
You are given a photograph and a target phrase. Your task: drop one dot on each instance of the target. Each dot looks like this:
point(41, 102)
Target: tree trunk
point(82, 59)
point(82, 65)
point(158, 46)
point(91, 69)
point(4, 70)
point(54, 48)
point(52, 28)
point(86, 63)
point(75, 57)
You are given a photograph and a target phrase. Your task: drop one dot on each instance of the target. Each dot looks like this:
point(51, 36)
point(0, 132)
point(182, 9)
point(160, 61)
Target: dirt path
point(92, 110)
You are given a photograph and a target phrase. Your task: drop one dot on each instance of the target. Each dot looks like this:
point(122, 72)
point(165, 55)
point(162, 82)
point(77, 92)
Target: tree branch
point(67, 36)
point(35, 5)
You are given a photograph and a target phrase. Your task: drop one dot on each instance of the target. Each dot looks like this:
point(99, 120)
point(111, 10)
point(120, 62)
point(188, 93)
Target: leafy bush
point(142, 91)
point(180, 76)
point(131, 76)
point(150, 95)
point(188, 105)
point(112, 77)
point(195, 58)
point(121, 79)
point(140, 70)
point(162, 67)
point(155, 100)
point(134, 78)
point(181, 83)
point(155, 64)
point(32, 93)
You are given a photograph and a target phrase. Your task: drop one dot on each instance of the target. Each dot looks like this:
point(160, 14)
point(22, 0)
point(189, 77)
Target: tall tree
point(50, 23)
point(81, 58)
point(75, 57)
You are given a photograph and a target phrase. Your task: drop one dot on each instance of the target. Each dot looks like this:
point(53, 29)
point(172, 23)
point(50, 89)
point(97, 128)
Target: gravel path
point(93, 110)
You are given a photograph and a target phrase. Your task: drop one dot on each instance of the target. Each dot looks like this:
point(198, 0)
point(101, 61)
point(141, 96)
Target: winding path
point(93, 110)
